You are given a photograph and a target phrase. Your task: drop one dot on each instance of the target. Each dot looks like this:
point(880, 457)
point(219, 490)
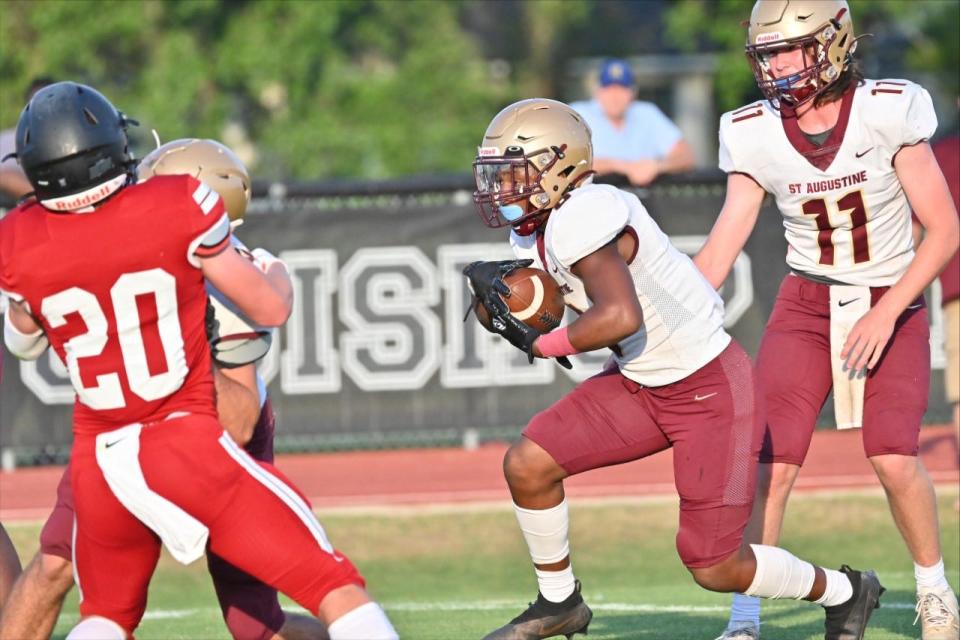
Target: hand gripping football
point(534, 299)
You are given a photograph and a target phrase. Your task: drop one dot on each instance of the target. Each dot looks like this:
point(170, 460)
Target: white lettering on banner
point(392, 340)
point(473, 357)
point(310, 363)
point(47, 378)
point(396, 337)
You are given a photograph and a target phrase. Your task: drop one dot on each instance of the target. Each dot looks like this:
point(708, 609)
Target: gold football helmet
point(823, 30)
point(207, 161)
point(533, 153)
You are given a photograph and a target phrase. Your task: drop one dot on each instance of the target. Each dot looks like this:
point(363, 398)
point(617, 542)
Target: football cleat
point(741, 630)
point(938, 616)
point(848, 621)
point(545, 619)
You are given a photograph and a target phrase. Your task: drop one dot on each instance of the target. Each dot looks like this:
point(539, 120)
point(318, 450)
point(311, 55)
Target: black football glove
point(483, 276)
point(516, 332)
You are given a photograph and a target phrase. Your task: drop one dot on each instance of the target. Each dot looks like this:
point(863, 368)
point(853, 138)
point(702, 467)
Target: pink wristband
point(555, 344)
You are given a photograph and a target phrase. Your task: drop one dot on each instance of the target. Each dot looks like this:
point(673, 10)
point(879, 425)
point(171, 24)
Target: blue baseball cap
point(616, 71)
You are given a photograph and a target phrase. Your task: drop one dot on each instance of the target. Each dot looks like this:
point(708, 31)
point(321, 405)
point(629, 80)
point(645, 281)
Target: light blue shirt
point(646, 134)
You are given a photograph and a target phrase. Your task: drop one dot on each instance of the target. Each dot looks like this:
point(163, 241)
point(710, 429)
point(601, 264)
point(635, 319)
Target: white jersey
point(237, 340)
point(845, 215)
point(682, 315)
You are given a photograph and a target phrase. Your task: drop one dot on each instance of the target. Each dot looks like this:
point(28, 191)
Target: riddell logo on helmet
point(488, 152)
point(769, 37)
point(87, 198)
point(81, 201)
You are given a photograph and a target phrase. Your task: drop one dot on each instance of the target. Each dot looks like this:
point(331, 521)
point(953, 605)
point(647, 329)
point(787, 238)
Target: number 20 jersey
point(119, 292)
point(845, 215)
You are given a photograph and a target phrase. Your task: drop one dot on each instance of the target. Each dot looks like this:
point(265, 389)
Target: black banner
point(376, 353)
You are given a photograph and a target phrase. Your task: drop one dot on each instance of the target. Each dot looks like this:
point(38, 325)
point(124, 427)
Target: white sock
point(838, 589)
point(931, 578)
point(744, 609)
point(780, 574)
point(556, 586)
point(366, 622)
point(97, 628)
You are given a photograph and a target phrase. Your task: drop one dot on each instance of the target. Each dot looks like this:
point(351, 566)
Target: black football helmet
point(72, 145)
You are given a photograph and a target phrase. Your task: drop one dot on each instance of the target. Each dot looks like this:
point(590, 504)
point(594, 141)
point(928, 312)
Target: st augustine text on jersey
point(821, 186)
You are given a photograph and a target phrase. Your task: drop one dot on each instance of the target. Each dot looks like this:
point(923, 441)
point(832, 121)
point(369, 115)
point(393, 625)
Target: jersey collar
point(820, 157)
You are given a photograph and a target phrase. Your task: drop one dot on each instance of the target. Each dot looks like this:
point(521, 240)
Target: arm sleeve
point(586, 223)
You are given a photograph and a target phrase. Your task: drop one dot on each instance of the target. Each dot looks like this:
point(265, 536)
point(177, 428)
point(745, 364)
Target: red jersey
point(120, 295)
point(948, 155)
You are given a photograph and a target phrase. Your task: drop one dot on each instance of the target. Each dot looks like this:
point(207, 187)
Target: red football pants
point(257, 520)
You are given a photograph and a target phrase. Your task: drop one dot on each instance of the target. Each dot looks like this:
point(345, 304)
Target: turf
point(447, 575)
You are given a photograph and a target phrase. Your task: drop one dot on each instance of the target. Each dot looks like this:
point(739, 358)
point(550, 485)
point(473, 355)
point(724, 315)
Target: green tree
point(367, 88)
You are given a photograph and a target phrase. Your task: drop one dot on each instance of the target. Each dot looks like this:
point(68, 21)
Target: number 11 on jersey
point(852, 205)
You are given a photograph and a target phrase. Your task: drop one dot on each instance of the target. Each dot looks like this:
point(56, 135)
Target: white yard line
point(502, 605)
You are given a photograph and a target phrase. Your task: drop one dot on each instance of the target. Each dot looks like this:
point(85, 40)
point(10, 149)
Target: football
point(535, 298)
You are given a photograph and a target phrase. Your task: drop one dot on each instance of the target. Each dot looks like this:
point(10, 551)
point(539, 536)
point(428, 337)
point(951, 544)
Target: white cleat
point(741, 631)
point(938, 615)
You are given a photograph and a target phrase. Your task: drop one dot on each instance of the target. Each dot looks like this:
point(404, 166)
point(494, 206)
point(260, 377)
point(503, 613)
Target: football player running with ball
point(113, 275)
point(250, 608)
point(679, 381)
point(846, 159)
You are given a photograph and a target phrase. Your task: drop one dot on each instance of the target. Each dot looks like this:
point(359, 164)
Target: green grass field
point(446, 575)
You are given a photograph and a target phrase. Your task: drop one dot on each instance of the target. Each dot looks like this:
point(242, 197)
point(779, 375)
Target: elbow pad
point(23, 345)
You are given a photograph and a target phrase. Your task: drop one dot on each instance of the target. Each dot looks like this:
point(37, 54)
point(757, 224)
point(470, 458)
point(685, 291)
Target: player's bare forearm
point(731, 230)
point(930, 198)
point(264, 293)
point(615, 312)
point(280, 280)
point(238, 401)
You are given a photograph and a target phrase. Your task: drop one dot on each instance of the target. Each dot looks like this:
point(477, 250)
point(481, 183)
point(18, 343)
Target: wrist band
point(555, 344)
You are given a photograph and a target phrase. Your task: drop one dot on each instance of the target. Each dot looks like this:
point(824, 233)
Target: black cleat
point(848, 621)
point(545, 619)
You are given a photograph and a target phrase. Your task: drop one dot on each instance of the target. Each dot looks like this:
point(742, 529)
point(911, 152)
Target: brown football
point(534, 298)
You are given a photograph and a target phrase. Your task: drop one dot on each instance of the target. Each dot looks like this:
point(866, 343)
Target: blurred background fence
point(376, 353)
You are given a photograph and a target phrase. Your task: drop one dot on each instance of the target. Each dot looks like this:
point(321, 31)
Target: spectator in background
point(631, 137)
point(947, 152)
point(13, 182)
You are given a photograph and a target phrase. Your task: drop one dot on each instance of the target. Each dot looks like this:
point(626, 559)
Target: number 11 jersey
point(119, 293)
point(845, 215)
